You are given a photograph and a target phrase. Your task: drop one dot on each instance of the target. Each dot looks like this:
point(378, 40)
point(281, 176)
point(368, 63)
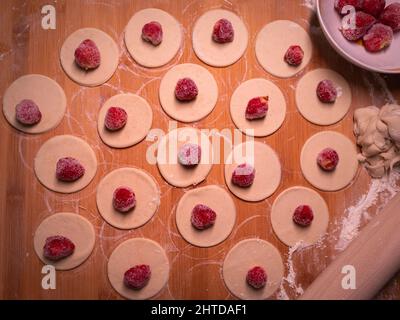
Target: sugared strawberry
point(373, 7)
point(378, 38)
point(256, 277)
point(189, 154)
point(69, 169)
point(87, 55)
point(363, 21)
point(391, 16)
point(339, 4)
point(203, 217)
point(326, 91)
point(115, 119)
point(303, 215)
point(152, 32)
point(137, 277)
point(27, 112)
point(223, 31)
point(124, 199)
point(243, 175)
point(186, 89)
point(257, 108)
point(328, 159)
point(58, 247)
point(294, 55)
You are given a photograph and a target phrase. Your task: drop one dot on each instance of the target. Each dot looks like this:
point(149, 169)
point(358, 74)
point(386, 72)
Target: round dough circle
point(217, 199)
point(219, 54)
point(267, 167)
point(45, 92)
point(276, 107)
point(272, 43)
point(282, 216)
point(140, 118)
point(146, 191)
point(109, 55)
point(196, 109)
point(167, 157)
point(312, 108)
point(59, 147)
point(144, 52)
point(135, 252)
point(346, 169)
point(245, 255)
point(71, 225)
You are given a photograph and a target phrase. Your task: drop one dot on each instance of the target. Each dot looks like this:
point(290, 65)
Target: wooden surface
point(195, 273)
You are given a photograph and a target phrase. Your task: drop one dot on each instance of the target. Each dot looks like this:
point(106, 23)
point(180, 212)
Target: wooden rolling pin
point(375, 255)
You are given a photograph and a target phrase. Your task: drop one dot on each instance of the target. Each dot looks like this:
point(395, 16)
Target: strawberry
point(223, 31)
point(256, 277)
point(28, 113)
point(257, 108)
point(303, 215)
point(152, 32)
point(115, 119)
point(328, 159)
point(137, 277)
point(58, 247)
point(87, 55)
point(69, 169)
point(186, 89)
point(243, 175)
point(294, 55)
point(124, 199)
point(203, 217)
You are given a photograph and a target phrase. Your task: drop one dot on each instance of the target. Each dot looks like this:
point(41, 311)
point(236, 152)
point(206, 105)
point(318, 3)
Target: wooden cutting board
point(195, 273)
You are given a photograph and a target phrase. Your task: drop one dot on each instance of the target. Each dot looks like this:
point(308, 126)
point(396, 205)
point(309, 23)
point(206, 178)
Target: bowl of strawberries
point(365, 32)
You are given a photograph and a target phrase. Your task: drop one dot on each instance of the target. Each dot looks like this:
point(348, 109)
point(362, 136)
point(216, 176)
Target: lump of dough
point(378, 135)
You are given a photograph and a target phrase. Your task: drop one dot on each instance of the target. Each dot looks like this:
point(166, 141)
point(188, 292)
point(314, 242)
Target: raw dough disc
point(245, 255)
point(109, 55)
point(219, 54)
point(196, 109)
point(144, 52)
point(167, 157)
point(346, 169)
point(282, 216)
point(135, 252)
point(217, 199)
point(276, 107)
point(140, 117)
point(312, 108)
point(146, 191)
point(45, 92)
point(272, 43)
point(59, 147)
point(267, 167)
point(73, 226)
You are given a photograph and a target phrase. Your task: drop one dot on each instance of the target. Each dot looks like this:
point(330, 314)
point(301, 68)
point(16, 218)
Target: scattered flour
point(380, 192)
point(309, 4)
point(290, 278)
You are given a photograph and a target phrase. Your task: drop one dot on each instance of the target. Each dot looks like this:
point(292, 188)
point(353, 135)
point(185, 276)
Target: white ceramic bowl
point(386, 61)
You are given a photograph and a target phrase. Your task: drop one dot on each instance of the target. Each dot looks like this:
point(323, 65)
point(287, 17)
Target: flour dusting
point(382, 82)
point(310, 4)
point(380, 192)
point(291, 274)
